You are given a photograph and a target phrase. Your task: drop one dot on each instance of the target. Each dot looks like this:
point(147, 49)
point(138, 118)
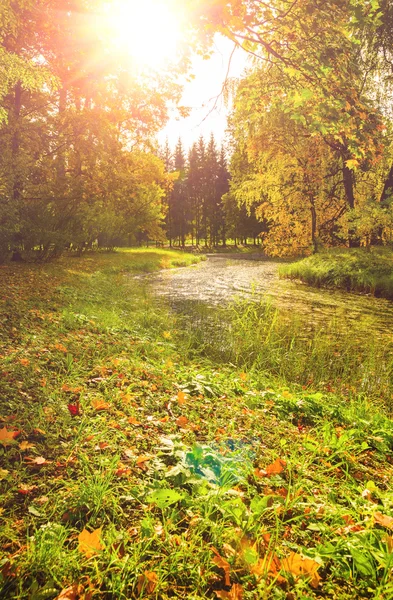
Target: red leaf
point(74, 409)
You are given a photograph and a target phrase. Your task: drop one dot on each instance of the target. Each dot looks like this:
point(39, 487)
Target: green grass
point(179, 421)
point(356, 270)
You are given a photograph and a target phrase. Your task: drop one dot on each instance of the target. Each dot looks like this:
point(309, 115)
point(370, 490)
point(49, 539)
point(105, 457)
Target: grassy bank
point(357, 270)
point(148, 455)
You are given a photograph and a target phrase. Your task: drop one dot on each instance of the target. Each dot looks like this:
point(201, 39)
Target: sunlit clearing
point(148, 31)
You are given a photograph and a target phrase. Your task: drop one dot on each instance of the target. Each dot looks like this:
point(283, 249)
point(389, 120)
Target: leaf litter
point(256, 489)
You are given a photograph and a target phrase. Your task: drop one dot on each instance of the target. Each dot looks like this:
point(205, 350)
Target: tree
point(70, 152)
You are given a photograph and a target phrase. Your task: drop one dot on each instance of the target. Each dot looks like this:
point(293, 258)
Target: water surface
point(220, 279)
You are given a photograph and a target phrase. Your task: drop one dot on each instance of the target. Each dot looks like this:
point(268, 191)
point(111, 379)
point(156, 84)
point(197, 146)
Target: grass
point(204, 460)
point(356, 270)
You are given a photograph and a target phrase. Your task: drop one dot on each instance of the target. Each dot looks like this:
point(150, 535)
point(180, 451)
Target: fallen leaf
point(90, 543)
point(235, 593)
point(276, 468)
point(141, 460)
point(39, 460)
point(42, 499)
point(181, 398)
point(74, 409)
point(147, 581)
point(134, 421)
point(26, 445)
point(268, 565)
point(122, 471)
point(26, 489)
point(103, 445)
point(74, 592)
point(7, 437)
point(61, 348)
point(222, 564)
point(299, 565)
point(99, 404)
point(383, 520)
point(181, 422)
point(3, 474)
point(24, 361)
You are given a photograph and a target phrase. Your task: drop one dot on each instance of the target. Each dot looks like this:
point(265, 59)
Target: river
point(221, 279)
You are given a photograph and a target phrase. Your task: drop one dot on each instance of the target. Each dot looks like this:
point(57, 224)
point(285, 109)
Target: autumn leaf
point(90, 543)
point(268, 565)
point(147, 581)
point(383, 520)
point(74, 409)
point(222, 564)
point(181, 422)
point(38, 460)
point(25, 489)
point(61, 348)
point(299, 565)
point(71, 593)
point(24, 362)
point(141, 460)
point(235, 593)
point(276, 467)
point(7, 437)
point(25, 445)
point(134, 421)
point(181, 398)
point(3, 474)
point(99, 404)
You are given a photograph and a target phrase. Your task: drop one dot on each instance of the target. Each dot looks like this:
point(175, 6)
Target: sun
point(147, 31)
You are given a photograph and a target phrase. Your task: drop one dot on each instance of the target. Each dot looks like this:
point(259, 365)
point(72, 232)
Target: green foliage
point(184, 489)
point(357, 270)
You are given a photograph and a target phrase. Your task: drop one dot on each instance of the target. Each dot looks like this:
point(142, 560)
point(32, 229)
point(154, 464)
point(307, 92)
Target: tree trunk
point(16, 191)
point(353, 240)
point(313, 227)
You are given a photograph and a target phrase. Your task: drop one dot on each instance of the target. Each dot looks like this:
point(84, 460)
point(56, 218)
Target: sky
point(201, 95)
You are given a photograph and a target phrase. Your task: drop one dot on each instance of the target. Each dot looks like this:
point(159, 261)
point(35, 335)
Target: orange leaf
point(99, 404)
point(299, 565)
point(235, 593)
point(222, 564)
point(181, 421)
point(181, 398)
point(147, 581)
point(276, 468)
point(383, 520)
point(7, 437)
point(73, 592)
point(268, 565)
point(140, 461)
point(90, 543)
point(134, 421)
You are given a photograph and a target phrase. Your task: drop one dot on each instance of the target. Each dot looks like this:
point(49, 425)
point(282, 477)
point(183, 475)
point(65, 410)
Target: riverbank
point(357, 270)
point(148, 454)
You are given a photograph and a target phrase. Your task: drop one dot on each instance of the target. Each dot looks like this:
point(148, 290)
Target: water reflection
point(221, 279)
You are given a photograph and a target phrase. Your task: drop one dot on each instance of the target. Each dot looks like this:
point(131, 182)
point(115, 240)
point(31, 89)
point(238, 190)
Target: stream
point(221, 279)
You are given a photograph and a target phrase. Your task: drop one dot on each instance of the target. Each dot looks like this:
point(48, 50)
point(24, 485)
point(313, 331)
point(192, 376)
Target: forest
point(308, 158)
point(196, 358)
